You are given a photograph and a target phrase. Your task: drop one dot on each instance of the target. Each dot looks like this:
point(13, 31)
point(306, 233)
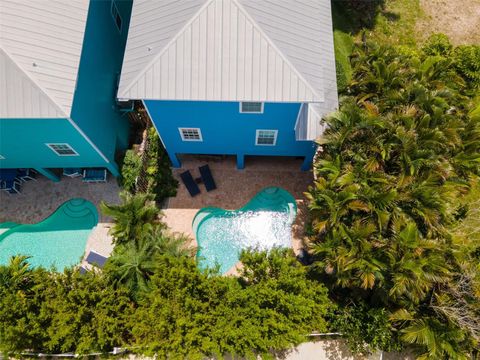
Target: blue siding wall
point(94, 108)
point(225, 130)
point(22, 143)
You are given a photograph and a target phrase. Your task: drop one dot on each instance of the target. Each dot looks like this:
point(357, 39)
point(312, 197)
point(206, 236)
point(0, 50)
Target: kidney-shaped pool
point(263, 223)
point(58, 241)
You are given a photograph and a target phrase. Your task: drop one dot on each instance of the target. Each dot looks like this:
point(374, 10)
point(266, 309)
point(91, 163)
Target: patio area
point(40, 198)
point(236, 187)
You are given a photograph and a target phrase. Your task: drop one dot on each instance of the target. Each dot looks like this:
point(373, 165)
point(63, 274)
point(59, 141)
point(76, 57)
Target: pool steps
point(75, 208)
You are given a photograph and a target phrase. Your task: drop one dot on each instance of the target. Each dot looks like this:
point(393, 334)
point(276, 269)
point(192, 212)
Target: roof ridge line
point(165, 48)
point(275, 47)
point(35, 82)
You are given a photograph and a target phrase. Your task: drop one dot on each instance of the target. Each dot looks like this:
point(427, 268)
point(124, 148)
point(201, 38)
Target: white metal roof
point(230, 50)
point(20, 96)
point(41, 43)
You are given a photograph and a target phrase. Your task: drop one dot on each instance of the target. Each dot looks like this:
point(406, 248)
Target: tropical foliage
point(395, 159)
point(149, 172)
point(131, 167)
point(174, 311)
point(44, 311)
point(189, 314)
point(135, 216)
point(158, 172)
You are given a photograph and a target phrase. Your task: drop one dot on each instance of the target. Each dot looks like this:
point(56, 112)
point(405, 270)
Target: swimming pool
point(263, 223)
point(58, 241)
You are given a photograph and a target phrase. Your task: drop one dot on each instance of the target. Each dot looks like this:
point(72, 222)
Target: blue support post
point(113, 168)
point(307, 163)
point(48, 173)
point(174, 159)
point(240, 161)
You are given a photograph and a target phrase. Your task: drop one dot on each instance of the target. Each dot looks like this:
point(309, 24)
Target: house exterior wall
point(95, 129)
point(94, 106)
point(226, 131)
point(23, 144)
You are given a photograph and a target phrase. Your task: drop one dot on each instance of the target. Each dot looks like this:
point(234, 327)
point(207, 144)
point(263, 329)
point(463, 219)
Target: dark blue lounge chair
point(96, 259)
point(207, 177)
point(190, 183)
point(94, 175)
point(10, 186)
point(26, 174)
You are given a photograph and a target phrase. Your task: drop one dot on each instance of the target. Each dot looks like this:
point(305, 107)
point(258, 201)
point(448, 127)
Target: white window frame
point(240, 109)
point(114, 13)
point(181, 129)
point(257, 133)
point(63, 144)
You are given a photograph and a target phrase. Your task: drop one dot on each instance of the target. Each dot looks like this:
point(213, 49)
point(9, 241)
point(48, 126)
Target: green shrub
point(160, 179)
point(437, 44)
point(467, 62)
point(189, 314)
point(132, 164)
point(183, 313)
point(43, 311)
point(365, 328)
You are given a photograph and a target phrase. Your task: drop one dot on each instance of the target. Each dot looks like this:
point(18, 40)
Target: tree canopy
point(182, 312)
point(396, 158)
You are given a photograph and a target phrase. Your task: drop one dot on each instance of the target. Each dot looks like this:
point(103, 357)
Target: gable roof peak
point(221, 53)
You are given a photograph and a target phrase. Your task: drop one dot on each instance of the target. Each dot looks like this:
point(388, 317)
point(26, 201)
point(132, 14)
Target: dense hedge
point(396, 159)
point(185, 313)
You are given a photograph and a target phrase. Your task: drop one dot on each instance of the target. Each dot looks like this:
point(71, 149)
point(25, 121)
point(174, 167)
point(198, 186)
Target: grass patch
point(395, 23)
point(388, 22)
point(343, 42)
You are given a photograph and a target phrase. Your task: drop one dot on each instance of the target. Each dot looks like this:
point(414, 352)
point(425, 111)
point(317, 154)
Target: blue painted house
point(60, 63)
point(232, 77)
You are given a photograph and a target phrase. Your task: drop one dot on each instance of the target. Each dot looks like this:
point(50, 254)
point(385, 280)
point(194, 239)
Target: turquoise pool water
point(58, 241)
point(263, 223)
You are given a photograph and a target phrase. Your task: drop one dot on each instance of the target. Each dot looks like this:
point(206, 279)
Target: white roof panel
point(44, 41)
point(20, 96)
point(229, 50)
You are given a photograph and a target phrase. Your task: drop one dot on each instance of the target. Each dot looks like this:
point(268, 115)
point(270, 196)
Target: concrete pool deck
point(39, 199)
point(236, 187)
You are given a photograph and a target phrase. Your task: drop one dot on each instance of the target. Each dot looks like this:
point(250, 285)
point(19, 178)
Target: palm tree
point(395, 159)
point(131, 266)
point(167, 243)
point(16, 274)
point(438, 339)
point(133, 217)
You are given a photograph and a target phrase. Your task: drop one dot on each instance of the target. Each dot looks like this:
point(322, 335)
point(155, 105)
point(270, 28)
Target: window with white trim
point(62, 149)
point(266, 137)
point(251, 107)
point(116, 16)
point(190, 134)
